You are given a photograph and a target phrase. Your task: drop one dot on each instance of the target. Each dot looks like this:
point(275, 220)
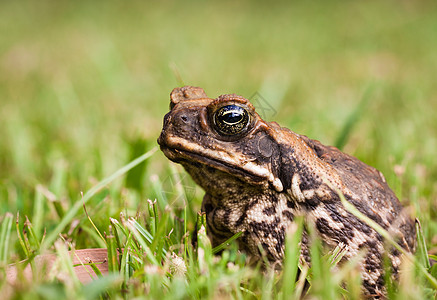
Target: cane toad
point(258, 176)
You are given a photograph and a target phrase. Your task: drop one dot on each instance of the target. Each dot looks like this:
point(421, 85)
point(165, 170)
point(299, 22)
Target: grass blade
point(113, 266)
point(51, 237)
point(225, 244)
point(5, 234)
point(291, 258)
point(422, 251)
point(131, 225)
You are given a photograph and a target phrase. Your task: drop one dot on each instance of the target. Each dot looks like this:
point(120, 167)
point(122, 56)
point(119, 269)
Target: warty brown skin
point(259, 179)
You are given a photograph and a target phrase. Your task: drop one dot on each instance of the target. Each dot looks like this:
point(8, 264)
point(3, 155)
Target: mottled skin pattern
point(256, 182)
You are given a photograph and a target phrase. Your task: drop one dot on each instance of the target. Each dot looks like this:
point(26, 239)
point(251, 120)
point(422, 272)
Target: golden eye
point(231, 119)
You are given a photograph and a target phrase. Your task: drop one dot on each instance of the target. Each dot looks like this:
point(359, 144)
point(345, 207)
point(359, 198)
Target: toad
point(258, 176)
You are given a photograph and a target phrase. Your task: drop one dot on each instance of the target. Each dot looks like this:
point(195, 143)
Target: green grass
point(84, 86)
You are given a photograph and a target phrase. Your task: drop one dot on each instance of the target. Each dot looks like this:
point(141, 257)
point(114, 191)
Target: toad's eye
point(231, 119)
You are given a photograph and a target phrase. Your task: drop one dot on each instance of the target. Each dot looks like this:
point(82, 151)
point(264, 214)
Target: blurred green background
point(84, 86)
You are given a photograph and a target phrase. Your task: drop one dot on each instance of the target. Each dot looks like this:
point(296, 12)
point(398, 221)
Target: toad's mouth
point(186, 157)
point(185, 152)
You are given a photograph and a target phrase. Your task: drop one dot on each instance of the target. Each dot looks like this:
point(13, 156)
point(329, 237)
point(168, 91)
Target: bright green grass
point(84, 87)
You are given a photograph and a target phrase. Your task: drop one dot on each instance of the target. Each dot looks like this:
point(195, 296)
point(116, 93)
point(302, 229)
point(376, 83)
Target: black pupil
point(232, 117)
